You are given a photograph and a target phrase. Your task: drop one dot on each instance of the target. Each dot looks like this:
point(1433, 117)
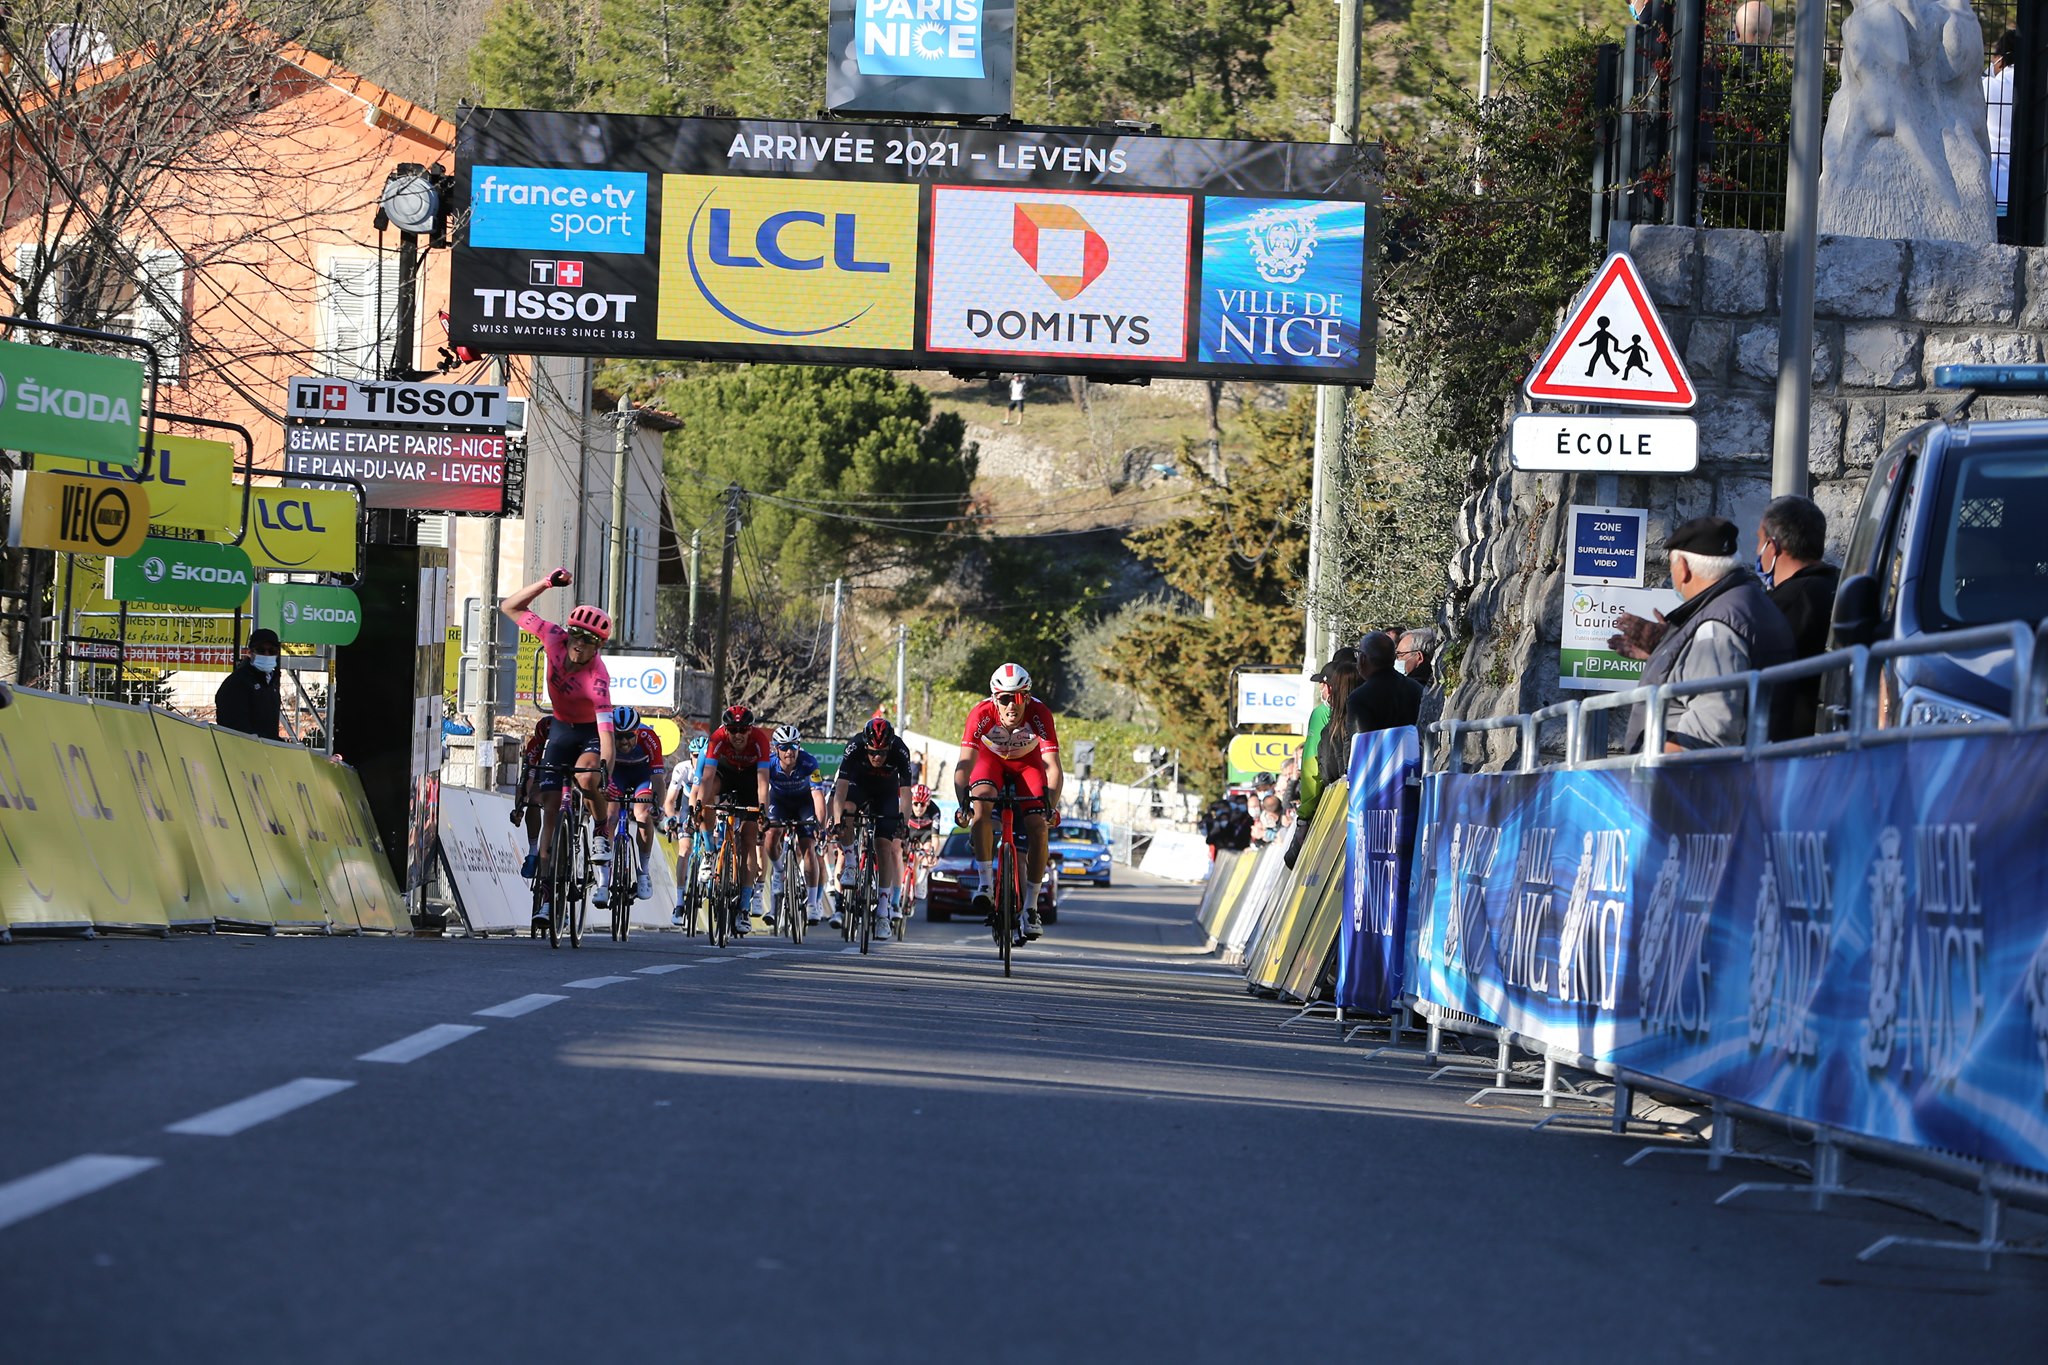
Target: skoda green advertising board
point(56, 402)
point(308, 614)
point(182, 573)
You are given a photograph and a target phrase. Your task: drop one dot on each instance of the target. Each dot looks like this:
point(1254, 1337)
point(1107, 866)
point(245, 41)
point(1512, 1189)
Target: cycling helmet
point(592, 622)
point(878, 733)
point(921, 794)
point(698, 744)
point(788, 734)
point(1009, 678)
point(738, 717)
point(625, 719)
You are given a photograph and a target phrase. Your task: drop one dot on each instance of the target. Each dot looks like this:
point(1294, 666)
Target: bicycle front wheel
point(1006, 902)
point(579, 876)
point(864, 898)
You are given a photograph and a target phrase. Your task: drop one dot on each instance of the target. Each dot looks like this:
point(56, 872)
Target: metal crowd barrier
point(1443, 753)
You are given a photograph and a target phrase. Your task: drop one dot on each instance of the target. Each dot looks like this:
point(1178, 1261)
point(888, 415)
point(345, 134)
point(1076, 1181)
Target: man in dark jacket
point(1791, 540)
point(1386, 699)
point(248, 700)
point(1725, 625)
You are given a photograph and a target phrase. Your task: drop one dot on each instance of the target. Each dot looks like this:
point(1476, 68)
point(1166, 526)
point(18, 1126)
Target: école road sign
point(1605, 445)
point(1613, 348)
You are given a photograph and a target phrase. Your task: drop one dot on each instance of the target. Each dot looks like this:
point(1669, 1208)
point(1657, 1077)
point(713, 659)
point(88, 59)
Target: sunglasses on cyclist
point(785, 748)
point(1010, 698)
point(583, 637)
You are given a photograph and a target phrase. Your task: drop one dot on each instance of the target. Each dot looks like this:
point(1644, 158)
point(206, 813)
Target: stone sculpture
point(1906, 152)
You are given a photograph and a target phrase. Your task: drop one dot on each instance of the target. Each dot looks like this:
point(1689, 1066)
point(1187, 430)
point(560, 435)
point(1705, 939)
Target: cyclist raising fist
point(581, 688)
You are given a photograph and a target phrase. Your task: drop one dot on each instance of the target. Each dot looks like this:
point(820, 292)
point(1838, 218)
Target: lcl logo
point(287, 516)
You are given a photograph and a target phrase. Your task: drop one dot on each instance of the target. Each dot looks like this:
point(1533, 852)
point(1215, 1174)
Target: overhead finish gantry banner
point(977, 249)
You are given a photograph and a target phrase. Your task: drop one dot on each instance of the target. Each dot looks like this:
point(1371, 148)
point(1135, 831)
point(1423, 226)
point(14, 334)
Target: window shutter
point(357, 321)
point(43, 306)
point(159, 312)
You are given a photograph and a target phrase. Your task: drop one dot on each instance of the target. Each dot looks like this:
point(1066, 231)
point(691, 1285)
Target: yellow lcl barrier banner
point(1321, 862)
point(118, 817)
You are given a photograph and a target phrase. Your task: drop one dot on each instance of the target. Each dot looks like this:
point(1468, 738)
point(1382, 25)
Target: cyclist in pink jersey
point(581, 688)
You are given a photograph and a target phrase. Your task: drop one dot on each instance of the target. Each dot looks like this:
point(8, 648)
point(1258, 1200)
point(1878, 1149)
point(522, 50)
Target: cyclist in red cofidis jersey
point(735, 765)
point(1011, 735)
point(581, 688)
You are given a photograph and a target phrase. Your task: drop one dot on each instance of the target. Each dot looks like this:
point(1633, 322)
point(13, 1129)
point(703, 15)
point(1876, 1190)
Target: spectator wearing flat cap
point(1340, 672)
point(248, 699)
point(1726, 624)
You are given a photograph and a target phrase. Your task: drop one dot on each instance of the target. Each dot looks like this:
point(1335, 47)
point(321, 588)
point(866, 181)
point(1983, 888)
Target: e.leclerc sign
point(56, 402)
point(183, 573)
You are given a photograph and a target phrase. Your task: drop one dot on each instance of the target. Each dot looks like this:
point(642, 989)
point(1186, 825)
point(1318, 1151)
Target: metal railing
point(1865, 666)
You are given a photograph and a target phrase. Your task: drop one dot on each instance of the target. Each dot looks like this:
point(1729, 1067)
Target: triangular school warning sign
point(1613, 349)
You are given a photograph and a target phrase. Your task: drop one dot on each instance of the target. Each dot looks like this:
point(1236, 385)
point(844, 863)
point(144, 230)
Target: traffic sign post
point(1613, 348)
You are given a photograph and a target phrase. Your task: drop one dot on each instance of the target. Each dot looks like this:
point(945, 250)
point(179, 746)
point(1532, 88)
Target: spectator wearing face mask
point(248, 699)
point(1412, 655)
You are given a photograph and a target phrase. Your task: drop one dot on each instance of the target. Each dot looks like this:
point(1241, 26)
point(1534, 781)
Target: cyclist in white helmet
point(792, 800)
point(1010, 736)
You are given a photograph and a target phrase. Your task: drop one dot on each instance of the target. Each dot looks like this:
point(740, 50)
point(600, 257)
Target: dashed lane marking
point(525, 1004)
point(418, 1045)
point(595, 983)
point(760, 952)
point(64, 1182)
point(243, 1115)
point(662, 969)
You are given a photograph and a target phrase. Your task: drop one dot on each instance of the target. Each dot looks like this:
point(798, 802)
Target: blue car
point(1081, 852)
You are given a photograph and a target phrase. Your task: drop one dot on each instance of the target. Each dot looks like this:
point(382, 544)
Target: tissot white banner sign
point(1035, 273)
point(1273, 699)
point(381, 402)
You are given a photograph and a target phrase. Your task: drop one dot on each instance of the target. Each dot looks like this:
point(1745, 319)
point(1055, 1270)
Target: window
point(140, 292)
point(358, 315)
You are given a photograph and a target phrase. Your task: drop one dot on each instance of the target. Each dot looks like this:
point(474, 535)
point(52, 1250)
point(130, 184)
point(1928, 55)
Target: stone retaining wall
point(1885, 314)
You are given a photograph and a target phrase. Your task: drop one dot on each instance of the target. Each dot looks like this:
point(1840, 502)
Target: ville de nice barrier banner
point(977, 249)
point(1855, 939)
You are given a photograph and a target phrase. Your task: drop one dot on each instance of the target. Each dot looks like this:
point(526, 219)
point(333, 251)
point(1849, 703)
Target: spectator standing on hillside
point(1016, 408)
point(249, 699)
point(1384, 699)
point(1412, 655)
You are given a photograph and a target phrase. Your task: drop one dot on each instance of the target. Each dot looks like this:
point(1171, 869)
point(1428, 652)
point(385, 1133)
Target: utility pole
point(615, 600)
point(1331, 400)
point(487, 647)
point(1802, 221)
point(718, 651)
point(696, 576)
point(902, 657)
point(1485, 51)
point(832, 669)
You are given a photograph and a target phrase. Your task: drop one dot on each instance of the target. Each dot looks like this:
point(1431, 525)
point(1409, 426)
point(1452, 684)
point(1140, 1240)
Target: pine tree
point(530, 56)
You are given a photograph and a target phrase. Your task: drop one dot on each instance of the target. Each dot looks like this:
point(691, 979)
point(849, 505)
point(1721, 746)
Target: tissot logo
point(567, 274)
point(788, 262)
point(555, 305)
point(1045, 273)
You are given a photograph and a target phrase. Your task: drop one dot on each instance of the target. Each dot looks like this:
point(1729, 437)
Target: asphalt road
point(659, 1152)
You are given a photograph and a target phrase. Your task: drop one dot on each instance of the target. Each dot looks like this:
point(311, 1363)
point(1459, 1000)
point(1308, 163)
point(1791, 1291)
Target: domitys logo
point(1057, 242)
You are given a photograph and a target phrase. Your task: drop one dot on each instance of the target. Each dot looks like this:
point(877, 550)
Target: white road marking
point(418, 1045)
point(843, 952)
point(760, 952)
point(663, 969)
point(242, 1115)
point(1147, 970)
point(525, 1004)
point(714, 961)
point(593, 983)
point(64, 1182)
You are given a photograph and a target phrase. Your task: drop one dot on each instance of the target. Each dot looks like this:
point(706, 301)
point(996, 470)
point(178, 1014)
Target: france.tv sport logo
point(775, 262)
point(523, 208)
point(940, 38)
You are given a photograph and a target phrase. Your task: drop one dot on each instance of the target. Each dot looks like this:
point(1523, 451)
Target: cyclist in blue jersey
point(681, 783)
point(793, 798)
point(636, 773)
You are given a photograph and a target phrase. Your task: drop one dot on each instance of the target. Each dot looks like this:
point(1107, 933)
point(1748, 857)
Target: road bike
point(561, 884)
point(691, 876)
point(792, 884)
point(1010, 906)
point(724, 897)
point(857, 907)
point(625, 866)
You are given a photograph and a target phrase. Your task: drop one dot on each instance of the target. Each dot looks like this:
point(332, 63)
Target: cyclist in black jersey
point(875, 775)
